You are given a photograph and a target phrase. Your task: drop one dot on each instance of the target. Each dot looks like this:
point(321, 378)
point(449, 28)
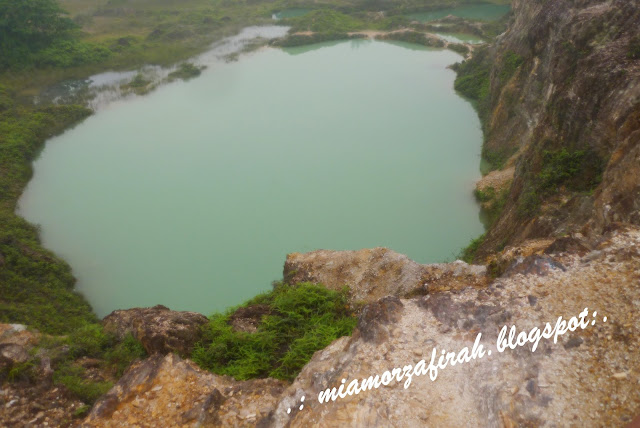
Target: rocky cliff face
point(565, 98)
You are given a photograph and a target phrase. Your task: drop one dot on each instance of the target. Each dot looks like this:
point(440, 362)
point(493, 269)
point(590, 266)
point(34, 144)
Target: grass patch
point(303, 319)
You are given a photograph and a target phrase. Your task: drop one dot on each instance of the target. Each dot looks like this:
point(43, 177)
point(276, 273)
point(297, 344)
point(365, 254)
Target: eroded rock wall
point(577, 88)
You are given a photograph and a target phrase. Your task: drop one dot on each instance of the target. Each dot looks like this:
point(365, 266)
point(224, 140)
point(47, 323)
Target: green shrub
point(89, 341)
point(415, 37)
point(71, 53)
point(324, 21)
point(485, 195)
point(579, 170)
point(496, 159)
point(25, 371)
point(510, 64)
point(120, 356)
point(457, 47)
point(28, 27)
point(576, 170)
point(75, 381)
point(468, 253)
point(634, 48)
point(186, 71)
point(302, 320)
point(293, 40)
point(139, 81)
point(529, 203)
point(473, 80)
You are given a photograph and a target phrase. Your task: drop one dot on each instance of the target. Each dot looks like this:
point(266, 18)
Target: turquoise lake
point(192, 195)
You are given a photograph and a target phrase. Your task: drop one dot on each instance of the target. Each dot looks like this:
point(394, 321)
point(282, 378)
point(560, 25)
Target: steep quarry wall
point(566, 76)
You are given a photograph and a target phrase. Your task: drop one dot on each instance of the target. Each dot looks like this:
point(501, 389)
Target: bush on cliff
point(296, 321)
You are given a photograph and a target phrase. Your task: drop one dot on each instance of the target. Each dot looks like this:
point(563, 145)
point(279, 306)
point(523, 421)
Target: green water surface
point(192, 195)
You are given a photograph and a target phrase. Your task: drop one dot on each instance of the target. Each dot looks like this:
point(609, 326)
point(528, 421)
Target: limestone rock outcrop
point(576, 89)
point(159, 329)
point(374, 273)
point(169, 391)
point(15, 343)
point(589, 378)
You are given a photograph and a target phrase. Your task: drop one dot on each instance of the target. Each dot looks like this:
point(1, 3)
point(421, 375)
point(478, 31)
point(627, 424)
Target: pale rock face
point(578, 87)
point(589, 378)
point(168, 391)
point(15, 343)
point(374, 273)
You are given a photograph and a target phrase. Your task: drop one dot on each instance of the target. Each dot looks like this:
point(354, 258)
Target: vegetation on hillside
point(415, 37)
point(70, 356)
point(293, 323)
point(36, 287)
point(576, 170)
point(324, 21)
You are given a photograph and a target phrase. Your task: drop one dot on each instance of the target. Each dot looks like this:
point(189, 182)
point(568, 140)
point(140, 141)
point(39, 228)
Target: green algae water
point(192, 195)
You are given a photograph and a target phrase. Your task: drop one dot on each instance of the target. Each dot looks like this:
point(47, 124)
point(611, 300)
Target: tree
point(27, 26)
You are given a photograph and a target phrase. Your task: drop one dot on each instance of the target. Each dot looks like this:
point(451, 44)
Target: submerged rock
point(159, 329)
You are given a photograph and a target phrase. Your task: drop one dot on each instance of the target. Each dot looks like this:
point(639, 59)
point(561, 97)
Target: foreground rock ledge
point(589, 378)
